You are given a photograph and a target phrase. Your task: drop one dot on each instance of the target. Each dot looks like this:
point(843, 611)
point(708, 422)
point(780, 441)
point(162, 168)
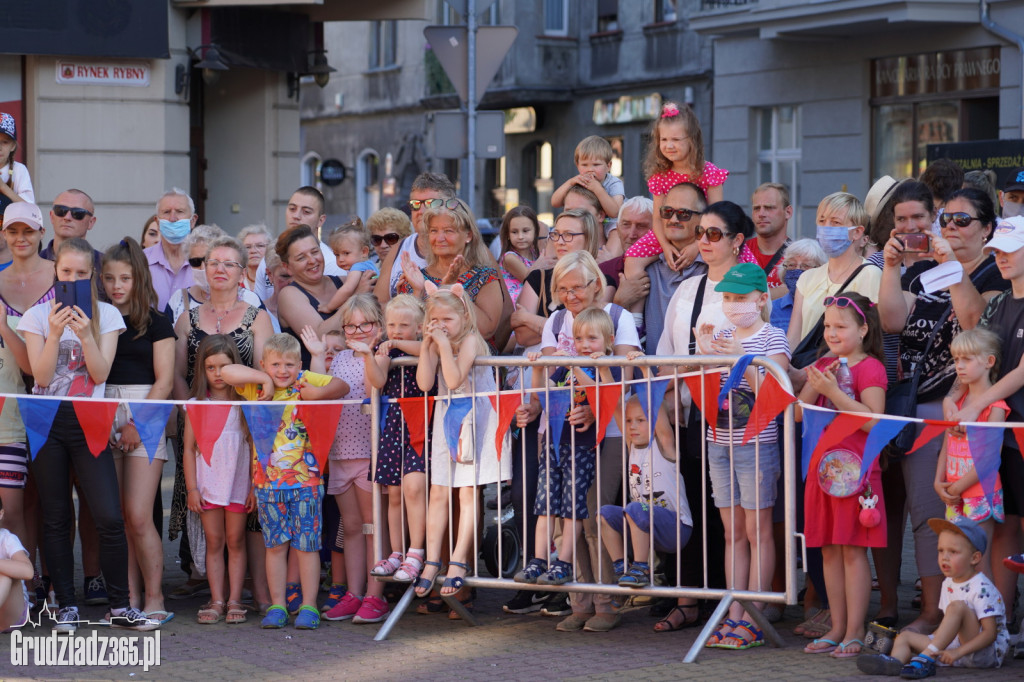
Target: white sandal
point(387, 567)
point(410, 569)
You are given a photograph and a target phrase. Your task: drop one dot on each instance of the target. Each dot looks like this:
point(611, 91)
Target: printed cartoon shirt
point(984, 599)
point(958, 453)
point(292, 463)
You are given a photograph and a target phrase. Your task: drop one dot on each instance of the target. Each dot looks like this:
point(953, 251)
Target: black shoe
point(557, 605)
point(526, 601)
point(95, 590)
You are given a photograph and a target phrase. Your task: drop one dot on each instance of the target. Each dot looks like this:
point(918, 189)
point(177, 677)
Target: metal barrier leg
point(395, 615)
point(770, 633)
point(458, 607)
point(717, 617)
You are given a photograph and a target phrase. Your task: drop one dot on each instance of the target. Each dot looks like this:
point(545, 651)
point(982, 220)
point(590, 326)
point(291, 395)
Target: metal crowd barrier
point(674, 367)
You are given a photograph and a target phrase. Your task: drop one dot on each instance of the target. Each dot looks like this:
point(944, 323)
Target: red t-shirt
point(763, 260)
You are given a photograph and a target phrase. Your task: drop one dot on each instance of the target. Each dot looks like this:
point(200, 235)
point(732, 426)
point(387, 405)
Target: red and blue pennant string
point(96, 418)
point(558, 402)
point(321, 423)
point(505, 405)
point(151, 423)
point(772, 400)
point(38, 418)
point(878, 437)
point(815, 423)
point(603, 401)
point(264, 421)
point(458, 408)
point(417, 413)
point(650, 402)
point(986, 446)
point(207, 420)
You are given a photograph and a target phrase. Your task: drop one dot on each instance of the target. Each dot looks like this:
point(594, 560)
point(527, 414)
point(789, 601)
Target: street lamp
point(319, 68)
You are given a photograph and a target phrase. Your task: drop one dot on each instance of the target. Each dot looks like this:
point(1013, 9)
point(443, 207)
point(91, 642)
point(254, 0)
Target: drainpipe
point(1008, 35)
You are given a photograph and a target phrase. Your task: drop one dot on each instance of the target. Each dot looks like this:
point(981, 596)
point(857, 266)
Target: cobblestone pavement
point(503, 647)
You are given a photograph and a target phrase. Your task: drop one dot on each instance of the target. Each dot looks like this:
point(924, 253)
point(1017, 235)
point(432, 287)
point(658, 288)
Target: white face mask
point(200, 279)
point(743, 314)
point(1012, 208)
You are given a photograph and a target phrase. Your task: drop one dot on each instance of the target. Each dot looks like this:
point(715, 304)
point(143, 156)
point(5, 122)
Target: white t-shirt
point(71, 378)
point(10, 545)
point(985, 600)
point(263, 287)
point(22, 182)
point(650, 474)
point(675, 339)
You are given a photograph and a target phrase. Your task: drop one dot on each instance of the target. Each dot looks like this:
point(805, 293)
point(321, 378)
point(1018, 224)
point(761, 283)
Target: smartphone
point(918, 242)
point(75, 293)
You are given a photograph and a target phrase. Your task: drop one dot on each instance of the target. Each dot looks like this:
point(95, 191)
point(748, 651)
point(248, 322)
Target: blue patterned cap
point(1014, 181)
point(7, 126)
point(962, 526)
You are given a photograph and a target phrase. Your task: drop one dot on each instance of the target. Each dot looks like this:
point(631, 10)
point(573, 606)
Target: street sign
point(451, 138)
point(450, 47)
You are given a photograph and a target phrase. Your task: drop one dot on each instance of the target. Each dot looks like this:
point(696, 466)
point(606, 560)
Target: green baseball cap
point(742, 279)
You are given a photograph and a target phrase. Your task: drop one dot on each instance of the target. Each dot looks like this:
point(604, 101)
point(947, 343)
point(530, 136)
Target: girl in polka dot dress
point(675, 154)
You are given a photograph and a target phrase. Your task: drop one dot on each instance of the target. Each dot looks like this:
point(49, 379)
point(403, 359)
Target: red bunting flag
point(321, 422)
point(96, 419)
point(842, 426)
point(772, 399)
point(416, 420)
point(603, 406)
point(932, 428)
point(1018, 434)
point(505, 405)
point(207, 424)
point(712, 384)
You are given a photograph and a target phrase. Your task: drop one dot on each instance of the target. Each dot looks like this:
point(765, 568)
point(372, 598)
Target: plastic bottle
point(844, 378)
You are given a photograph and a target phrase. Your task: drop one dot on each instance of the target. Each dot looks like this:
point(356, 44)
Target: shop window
point(778, 151)
point(367, 183)
point(383, 44)
point(310, 171)
point(607, 15)
point(556, 17)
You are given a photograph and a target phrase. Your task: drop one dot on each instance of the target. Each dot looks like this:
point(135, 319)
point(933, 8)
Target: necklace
point(224, 314)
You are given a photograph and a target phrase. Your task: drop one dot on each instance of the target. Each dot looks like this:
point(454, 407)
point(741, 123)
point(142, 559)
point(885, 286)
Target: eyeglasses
point(256, 247)
point(714, 234)
point(576, 292)
point(450, 204)
point(682, 214)
point(844, 302)
point(60, 211)
point(196, 262)
point(959, 219)
point(564, 236)
point(353, 328)
point(391, 238)
point(226, 264)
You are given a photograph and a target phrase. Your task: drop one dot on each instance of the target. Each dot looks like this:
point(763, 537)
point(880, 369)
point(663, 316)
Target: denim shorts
point(291, 515)
point(666, 524)
point(558, 494)
point(755, 488)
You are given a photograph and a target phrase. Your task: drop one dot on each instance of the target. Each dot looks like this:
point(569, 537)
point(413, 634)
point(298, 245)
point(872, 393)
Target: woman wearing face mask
point(196, 245)
point(842, 222)
point(801, 255)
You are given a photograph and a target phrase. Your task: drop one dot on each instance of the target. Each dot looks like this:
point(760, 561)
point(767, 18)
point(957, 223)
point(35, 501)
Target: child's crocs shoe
point(276, 618)
point(920, 667)
point(345, 609)
point(308, 618)
point(372, 610)
point(559, 574)
point(879, 664)
point(293, 597)
point(531, 572)
point(639, 575)
point(336, 594)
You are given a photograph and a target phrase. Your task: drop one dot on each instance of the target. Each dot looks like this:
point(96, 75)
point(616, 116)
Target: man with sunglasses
point(681, 212)
point(72, 216)
point(771, 211)
point(429, 190)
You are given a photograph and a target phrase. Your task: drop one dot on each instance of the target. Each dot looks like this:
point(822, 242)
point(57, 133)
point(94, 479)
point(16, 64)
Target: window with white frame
point(447, 16)
point(383, 44)
point(778, 152)
point(556, 17)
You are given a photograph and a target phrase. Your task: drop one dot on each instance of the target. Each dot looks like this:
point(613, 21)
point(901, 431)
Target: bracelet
point(131, 423)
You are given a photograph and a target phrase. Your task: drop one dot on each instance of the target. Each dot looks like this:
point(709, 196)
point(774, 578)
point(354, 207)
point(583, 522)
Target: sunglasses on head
point(60, 211)
point(197, 262)
point(959, 219)
point(450, 204)
point(714, 234)
point(391, 238)
point(844, 302)
point(682, 214)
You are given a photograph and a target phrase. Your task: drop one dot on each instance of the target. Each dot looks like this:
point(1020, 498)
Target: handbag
point(809, 348)
point(838, 473)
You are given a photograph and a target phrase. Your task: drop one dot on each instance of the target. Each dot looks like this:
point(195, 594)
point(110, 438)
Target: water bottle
point(844, 378)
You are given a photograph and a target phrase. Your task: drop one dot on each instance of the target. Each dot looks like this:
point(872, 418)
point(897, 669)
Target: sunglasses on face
point(60, 211)
point(196, 262)
point(959, 219)
point(391, 238)
point(844, 302)
point(450, 204)
point(714, 234)
point(682, 214)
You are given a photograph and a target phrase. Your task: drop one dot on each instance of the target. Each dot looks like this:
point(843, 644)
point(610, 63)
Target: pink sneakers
point(346, 608)
point(373, 610)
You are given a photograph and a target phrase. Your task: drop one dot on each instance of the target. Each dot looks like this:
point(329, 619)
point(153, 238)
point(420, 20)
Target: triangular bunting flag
point(207, 424)
point(321, 422)
point(1018, 435)
point(505, 405)
point(842, 426)
point(603, 406)
point(771, 400)
point(457, 410)
point(986, 446)
point(96, 419)
point(417, 413)
point(651, 398)
point(815, 422)
point(733, 380)
point(878, 437)
point(932, 428)
point(704, 393)
point(558, 400)
point(151, 423)
point(264, 421)
point(38, 417)
point(384, 405)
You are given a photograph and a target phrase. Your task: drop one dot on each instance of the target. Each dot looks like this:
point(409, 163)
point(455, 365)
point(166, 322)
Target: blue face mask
point(835, 240)
point(175, 232)
point(790, 278)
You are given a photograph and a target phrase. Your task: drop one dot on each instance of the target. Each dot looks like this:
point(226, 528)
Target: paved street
point(433, 647)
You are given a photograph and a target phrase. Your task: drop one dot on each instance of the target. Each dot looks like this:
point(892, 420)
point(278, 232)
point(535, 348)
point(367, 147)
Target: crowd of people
point(908, 300)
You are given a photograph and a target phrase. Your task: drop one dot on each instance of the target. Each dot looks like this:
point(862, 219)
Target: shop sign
point(74, 72)
point(627, 109)
point(1000, 156)
point(936, 72)
point(332, 172)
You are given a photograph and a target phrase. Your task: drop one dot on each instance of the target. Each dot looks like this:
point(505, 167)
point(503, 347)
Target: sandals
point(736, 640)
point(236, 613)
point(666, 624)
point(387, 567)
point(817, 625)
point(432, 606)
point(410, 569)
point(467, 602)
point(841, 650)
point(454, 583)
point(210, 613)
point(718, 636)
point(830, 646)
point(423, 586)
point(920, 667)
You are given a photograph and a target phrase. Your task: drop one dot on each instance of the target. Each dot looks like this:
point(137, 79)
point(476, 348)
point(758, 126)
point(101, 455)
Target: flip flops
point(841, 650)
point(830, 646)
